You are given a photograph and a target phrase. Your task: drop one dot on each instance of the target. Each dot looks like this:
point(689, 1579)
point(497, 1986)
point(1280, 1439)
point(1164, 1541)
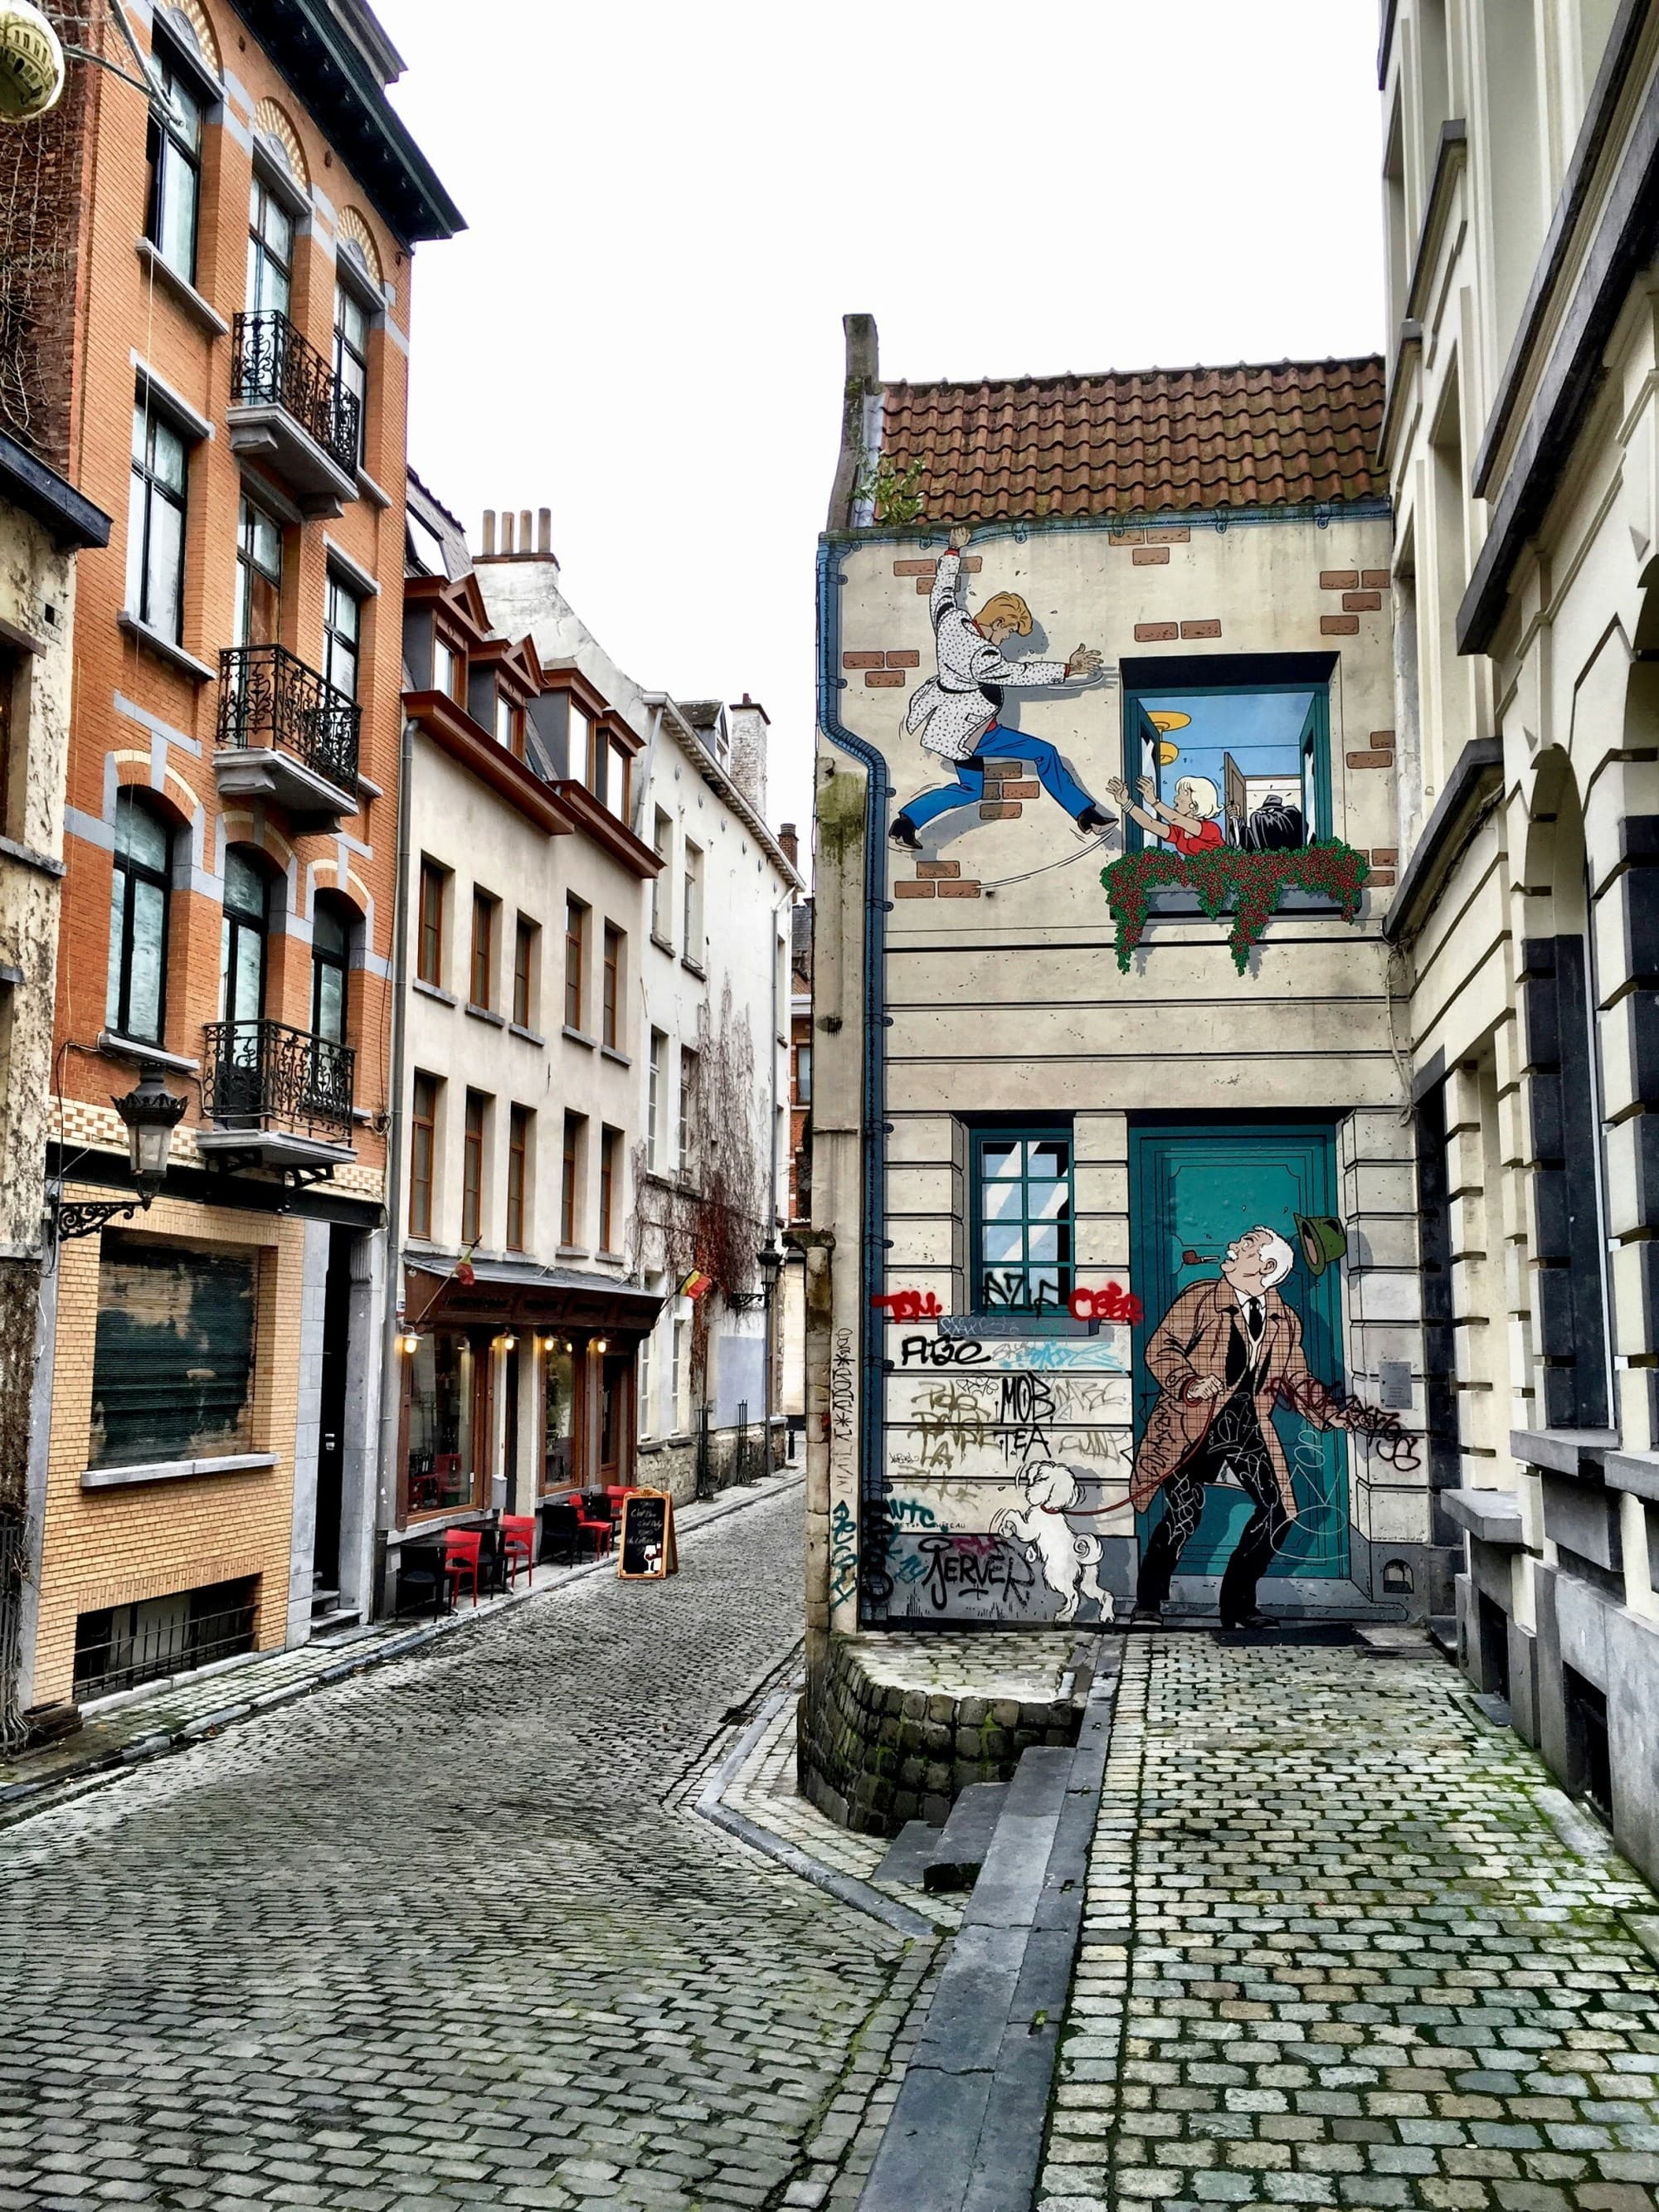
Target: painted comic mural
point(1112, 1372)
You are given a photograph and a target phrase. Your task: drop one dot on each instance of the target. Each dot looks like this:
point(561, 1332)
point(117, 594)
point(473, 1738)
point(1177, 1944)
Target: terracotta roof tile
point(1141, 441)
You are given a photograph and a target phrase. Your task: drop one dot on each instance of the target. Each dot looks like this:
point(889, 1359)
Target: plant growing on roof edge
point(1223, 878)
point(894, 494)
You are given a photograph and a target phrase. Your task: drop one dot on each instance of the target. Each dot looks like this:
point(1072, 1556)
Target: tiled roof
point(1140, 441)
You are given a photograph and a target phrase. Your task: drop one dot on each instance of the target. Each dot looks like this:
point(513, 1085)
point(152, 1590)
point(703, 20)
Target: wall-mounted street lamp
point(151, 1113)
point(771, 1266)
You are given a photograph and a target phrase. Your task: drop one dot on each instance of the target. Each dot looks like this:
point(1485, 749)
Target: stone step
point(331, 1623)
point(966, 1837)
point(908, 1853)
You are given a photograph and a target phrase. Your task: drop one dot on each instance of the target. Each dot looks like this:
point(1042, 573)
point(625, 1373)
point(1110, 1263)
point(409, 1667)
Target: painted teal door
point(1192, 1190)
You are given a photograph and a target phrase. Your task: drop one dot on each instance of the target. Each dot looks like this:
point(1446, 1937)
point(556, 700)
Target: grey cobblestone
point(1335, 1954)
point(447, 1935)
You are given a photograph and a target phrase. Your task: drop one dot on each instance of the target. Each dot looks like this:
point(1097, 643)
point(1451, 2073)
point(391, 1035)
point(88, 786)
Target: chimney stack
point(510, 535)
point(490, 533)
point(791, 844)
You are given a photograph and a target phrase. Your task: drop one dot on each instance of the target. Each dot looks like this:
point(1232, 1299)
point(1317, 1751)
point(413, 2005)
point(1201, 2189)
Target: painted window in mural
point(1243, 765)
point(1023, 1213)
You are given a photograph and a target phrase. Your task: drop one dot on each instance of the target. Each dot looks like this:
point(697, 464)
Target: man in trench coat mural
point(1224, 1354)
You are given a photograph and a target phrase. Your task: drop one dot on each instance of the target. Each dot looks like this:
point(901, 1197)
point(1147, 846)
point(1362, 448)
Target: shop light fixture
point(411, 1345)
point(599, 1344)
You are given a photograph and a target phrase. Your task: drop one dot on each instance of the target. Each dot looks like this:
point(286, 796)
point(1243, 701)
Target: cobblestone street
point(434, 1937)
point(1334, 1955)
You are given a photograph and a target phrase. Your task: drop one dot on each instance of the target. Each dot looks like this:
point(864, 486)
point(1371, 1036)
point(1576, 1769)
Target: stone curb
point(846, 1888)
point(966, 2134)
point(23, 1800)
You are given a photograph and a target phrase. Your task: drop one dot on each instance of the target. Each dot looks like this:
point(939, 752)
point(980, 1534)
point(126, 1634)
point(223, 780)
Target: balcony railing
point(274, 366)
point(266, 1076)
point(269, 700)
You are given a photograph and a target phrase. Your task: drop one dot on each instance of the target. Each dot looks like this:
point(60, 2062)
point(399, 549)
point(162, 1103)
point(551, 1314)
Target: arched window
point(137, 1004)
point(333, 925)
point(242, 938)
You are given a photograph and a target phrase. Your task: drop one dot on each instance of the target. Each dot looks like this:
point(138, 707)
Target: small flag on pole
point(695, 1284)
point(462, 1271)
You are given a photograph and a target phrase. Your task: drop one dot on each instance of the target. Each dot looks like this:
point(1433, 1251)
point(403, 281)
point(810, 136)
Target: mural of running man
point(956, 711)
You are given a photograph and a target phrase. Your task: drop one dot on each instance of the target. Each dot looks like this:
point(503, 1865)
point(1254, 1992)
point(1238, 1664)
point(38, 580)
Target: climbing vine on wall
point(711, 1214)
point(1247, 885)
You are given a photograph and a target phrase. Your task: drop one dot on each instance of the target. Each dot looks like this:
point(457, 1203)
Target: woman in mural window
point(1189, 825)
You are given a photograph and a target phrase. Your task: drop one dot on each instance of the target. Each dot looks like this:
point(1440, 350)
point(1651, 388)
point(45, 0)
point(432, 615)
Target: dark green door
point(1193, 1190)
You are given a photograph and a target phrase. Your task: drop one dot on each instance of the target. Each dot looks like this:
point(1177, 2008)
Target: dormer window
point(509, 725)
point(448, 669)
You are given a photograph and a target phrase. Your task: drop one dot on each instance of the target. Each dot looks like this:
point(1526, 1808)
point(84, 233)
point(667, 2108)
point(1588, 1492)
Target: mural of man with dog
point(1227, 1352)
point(955, 712)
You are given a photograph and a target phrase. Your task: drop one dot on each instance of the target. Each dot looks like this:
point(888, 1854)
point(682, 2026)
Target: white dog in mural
point(1070, 1560)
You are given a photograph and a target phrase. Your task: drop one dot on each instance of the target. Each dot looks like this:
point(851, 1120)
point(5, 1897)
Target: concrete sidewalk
point(122, 1731)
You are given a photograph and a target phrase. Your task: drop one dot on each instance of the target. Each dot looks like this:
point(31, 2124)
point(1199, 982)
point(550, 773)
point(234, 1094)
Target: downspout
point(875, 1585)
point(771, 1287)
point(391, 1389)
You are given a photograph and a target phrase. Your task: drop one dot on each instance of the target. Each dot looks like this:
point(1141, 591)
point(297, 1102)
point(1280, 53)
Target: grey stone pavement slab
point(450, 1934)
point(1340, 1949)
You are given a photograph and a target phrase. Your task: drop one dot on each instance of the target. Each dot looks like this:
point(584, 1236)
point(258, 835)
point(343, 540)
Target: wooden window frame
point(520, 1124)
point(481, 970)
point(472, 1167)
point(132, 872)
point(610, 1142)
point(570, 1180)
point(611, 986)
point(435, 889)
point(423, 1138)
point(575, 962)
point(526, 932)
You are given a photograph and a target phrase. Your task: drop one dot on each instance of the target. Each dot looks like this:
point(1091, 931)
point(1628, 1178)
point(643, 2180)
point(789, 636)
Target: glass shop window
point(1246, 766)
point(446, 1380)
point(1022, 1217)
point(558, 1414)
point(172, 1358)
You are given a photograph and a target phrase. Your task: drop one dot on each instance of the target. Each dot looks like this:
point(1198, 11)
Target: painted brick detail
point(1385, 856)
point(938, 869)
point(1338, 580)
point(1353, 603)
point(914, 890)
point(1382, 741)
point(1173, 537)
point(1208, 627)
point(1370, 760)
point(1005, 768)
point(1000, 812)
point(1376, 580)
point(1339, 625)
point(972, 563)
point(1022, 790)
point(1380, 879)
point(860, 660)
point(904, 660)
point(969, 889)
point(1155, 633)
point(884, 679)
point(1150, 557)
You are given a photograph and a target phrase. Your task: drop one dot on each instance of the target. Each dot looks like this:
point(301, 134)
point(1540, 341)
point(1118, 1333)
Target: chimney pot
point(525, 539)
point(506, 530)
point(490, 531)
point(545, 530)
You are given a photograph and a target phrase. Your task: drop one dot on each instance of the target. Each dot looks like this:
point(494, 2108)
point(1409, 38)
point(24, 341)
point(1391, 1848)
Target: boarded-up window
point(172, 1371)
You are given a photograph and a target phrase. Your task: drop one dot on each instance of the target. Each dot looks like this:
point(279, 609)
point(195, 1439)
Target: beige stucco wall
point(1002, 988)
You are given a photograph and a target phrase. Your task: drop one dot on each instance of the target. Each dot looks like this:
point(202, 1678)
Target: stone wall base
point(893, 1727)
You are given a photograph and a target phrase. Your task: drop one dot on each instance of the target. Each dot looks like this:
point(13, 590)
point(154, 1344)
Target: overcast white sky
point(671, 207)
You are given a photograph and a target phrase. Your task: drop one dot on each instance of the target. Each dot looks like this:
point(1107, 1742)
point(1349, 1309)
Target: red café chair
point(599, 1527)
point(519, 1544)
point(461, 1547)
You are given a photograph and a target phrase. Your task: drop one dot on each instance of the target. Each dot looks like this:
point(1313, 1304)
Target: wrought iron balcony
point(289, 407)
point(285, 732)
point(268, 1080)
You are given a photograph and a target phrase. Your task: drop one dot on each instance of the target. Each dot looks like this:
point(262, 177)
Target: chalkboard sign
point(648, 1550)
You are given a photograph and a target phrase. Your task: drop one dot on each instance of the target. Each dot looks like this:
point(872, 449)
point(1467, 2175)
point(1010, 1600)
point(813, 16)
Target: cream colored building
point(1027, 1149)
point(1521, 445)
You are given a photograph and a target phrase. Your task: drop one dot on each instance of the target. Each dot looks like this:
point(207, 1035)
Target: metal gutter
point(1478, 767)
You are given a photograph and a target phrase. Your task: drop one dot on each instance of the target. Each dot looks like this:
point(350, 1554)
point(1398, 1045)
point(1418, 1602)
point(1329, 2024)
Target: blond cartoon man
point(956, 711)
point(1189, 825)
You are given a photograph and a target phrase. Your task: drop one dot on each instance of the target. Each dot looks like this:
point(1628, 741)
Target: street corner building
point(233, 263)
point(1112, 1279)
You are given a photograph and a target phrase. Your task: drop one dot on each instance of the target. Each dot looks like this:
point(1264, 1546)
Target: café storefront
point(519, 1385)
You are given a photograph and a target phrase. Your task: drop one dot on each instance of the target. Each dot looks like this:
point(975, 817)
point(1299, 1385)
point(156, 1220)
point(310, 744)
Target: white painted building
point(710, 994)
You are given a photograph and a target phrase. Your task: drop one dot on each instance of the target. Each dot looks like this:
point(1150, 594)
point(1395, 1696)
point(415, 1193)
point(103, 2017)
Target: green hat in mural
point(1323, 1240)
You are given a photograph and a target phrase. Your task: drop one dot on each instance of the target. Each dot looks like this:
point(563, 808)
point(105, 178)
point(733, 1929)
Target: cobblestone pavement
point(447, 1933)
point(1334, 1956)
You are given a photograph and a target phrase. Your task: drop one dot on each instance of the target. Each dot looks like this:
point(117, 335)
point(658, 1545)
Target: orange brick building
point(207, 1477)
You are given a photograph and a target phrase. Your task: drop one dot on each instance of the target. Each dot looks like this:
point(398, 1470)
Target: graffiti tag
point(1334, 1409)
point(843, 1554)
point(974, 1566)
point(842, 1387)
point(909, 1305)
point(1113, 1303)
point(941, 1351)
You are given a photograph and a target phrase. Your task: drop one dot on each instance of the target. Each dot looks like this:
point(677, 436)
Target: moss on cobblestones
point(1334, 1956)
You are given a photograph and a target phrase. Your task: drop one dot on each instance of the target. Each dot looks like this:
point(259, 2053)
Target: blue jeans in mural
point(999, 743)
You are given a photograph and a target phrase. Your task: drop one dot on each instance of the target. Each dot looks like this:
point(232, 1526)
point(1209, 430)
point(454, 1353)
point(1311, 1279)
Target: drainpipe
point(391, 1387)
point(782, 907)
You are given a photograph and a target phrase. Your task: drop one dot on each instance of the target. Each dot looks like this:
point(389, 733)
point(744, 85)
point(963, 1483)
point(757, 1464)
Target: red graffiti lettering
point(909, 1305)
point(1113, 1303)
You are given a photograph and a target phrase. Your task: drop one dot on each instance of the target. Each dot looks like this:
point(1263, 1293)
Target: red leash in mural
point(955, 712)
point(1228, 1351)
